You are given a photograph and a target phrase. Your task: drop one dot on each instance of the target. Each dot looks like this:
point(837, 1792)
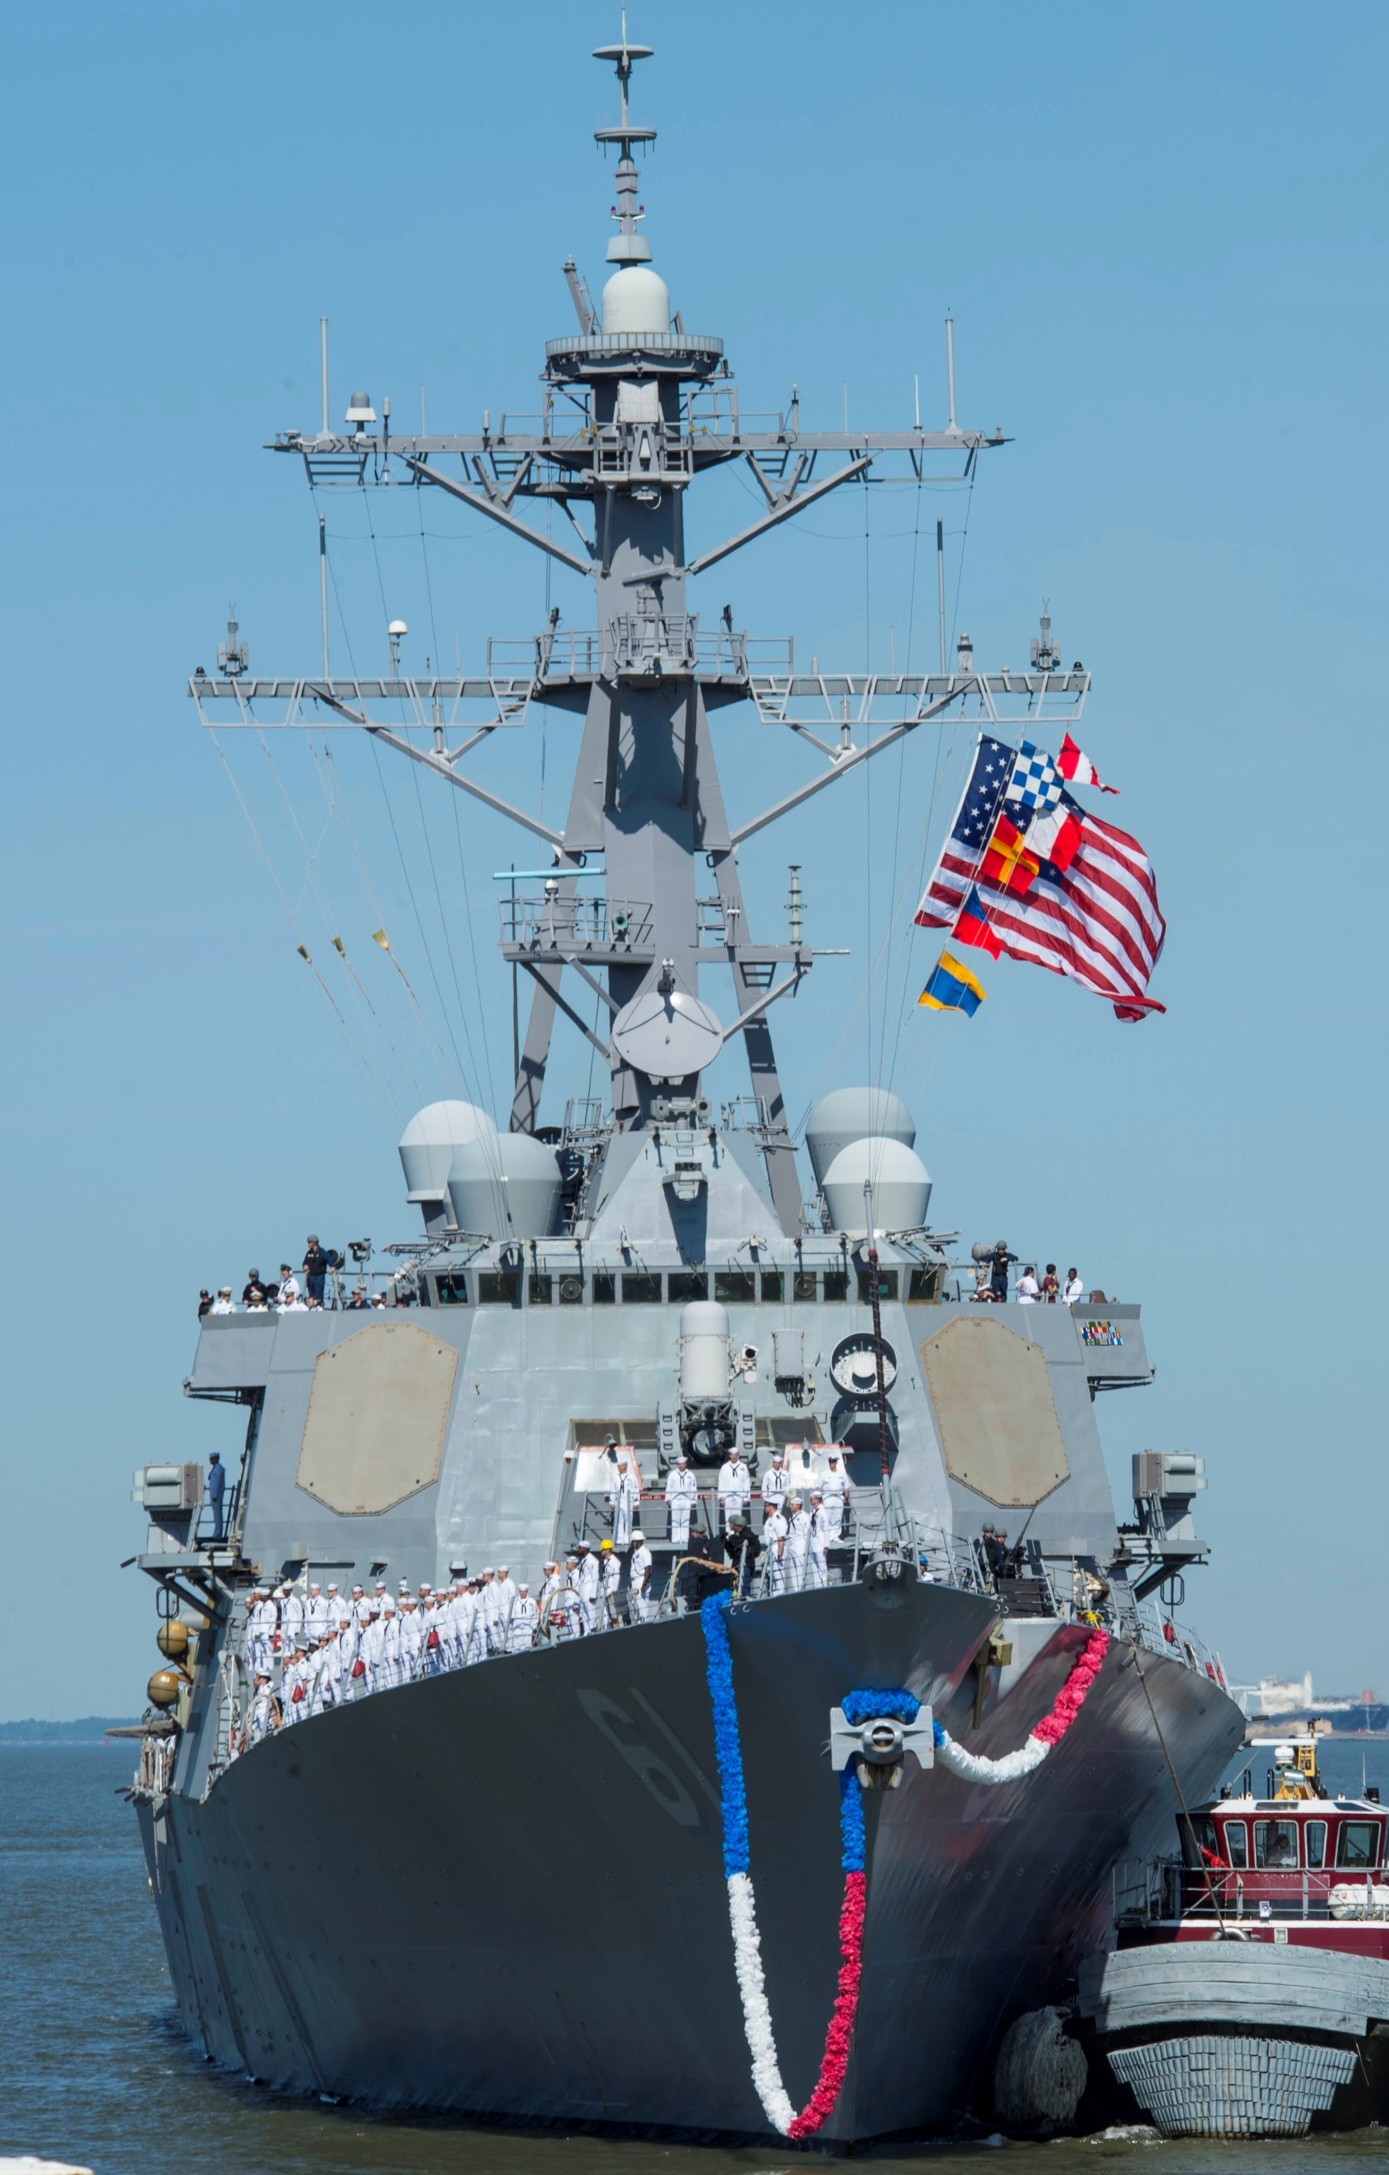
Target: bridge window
point(571, 1291)
point(887, 1285)
point(687, 1284)
point(498, 1288)
point(538, 1290)
point(1358, 1842)
point(737, 1287)
point(804, 1285)
point(451, 1291)
point(604, 1288)
point(1275, 1843)
point(771, 1284)
point(836, 1283)
point(923, 1288)
point(641, 1289)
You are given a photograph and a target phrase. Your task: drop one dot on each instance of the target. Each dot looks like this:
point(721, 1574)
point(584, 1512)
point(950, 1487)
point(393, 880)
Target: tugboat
point(1248, 1995)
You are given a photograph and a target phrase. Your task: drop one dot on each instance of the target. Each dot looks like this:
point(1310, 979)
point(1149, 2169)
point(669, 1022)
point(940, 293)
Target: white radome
point(636, 299)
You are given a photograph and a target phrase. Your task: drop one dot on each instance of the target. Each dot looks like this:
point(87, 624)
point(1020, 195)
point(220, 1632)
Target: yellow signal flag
point(338, 947)
point(303, 952)
point(379, 936)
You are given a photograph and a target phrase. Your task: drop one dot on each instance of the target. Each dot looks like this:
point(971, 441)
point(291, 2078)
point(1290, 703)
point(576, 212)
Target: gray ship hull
point(501, 1892)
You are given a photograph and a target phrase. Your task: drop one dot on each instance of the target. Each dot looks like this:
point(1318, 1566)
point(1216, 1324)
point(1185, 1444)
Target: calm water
point(94, 2068)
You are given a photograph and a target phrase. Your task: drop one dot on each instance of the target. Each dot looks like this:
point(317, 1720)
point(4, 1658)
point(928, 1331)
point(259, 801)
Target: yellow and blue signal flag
point(951, 987)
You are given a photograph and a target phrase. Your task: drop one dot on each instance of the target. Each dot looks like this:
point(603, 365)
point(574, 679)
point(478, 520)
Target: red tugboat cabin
point(1292, 1866)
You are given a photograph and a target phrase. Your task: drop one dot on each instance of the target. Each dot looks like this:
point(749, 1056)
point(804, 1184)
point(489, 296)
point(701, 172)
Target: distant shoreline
point(87, 1729)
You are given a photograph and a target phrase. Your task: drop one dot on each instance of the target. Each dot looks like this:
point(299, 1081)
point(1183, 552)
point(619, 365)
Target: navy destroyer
point(658, 1855)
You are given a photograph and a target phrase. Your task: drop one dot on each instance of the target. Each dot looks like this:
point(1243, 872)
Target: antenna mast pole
point(323, 368)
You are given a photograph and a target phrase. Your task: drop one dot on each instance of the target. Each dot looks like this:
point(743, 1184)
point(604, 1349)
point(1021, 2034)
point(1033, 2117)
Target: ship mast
point(636, 408)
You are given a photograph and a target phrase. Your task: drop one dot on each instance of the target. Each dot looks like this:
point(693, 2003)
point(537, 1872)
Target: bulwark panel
point(378, 1412)
point(995, 1414)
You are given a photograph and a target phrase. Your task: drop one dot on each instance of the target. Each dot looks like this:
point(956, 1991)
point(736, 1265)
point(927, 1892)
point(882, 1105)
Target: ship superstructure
point(632, 1280)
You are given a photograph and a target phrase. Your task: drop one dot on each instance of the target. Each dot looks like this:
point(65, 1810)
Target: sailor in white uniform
point(316, 1613)
point(411, 1640)
point(775, 1482)
point(549, 1584)
point(477, 1637)
point(824, 1527)
point(774, 1543)
point(624, 1495)
point(639, 1578)
point(797, 1542)
point(1027, 1290)
point(372, 1654)
point(682, 1493)
point(525, 1617)
point(735, 1487)
point(264, 1718)
point(359, 1602)
point(834, 1488)
point(390, 1643)
point(587, 1581)
point(294, 1691)
point(261, 1619)
point(291, 1618)
point(564, 1616)
point(504, 1589)
point(1074, 1291)
point(347, 1646)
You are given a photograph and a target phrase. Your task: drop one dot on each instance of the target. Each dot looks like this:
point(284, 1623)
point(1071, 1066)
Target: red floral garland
point(1071, 1697)
point(839, 2038)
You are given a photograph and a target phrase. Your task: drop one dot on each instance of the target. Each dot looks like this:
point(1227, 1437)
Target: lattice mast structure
point(636, 409)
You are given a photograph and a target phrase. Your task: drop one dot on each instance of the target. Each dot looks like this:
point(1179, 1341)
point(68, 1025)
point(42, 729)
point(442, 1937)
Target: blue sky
point(1160, 232)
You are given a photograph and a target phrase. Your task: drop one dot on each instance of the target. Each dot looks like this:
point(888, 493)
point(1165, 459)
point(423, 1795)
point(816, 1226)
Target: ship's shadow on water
point(95, 2068)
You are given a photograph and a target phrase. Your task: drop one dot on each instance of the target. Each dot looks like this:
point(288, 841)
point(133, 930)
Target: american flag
point(1095, 920)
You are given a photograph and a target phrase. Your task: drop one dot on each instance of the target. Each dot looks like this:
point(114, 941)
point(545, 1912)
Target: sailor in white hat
point(525, 1620)
point(586, 1581)
point(835, 1490)
point(797, 1542)
point(504, 1586)
point(643, 1602)
point(317, 1616)
point(682, 1493)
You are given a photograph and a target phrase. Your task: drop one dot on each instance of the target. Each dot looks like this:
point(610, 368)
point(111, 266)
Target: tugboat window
point(1237, 1843)
point(687, 1284)
point(1314, 1842)
point(1275, 1843)
point(737, 1287)
point(1358, 1843)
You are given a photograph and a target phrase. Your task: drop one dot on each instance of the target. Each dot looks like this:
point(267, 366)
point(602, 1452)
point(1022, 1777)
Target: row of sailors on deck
point(333, 1651)
point(735, 1494)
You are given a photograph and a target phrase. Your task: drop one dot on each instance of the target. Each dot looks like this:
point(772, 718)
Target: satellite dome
point(851, 1113)
point(428, 1146)
point(506, 1185)
point(636, 299)
point(901, 1186)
